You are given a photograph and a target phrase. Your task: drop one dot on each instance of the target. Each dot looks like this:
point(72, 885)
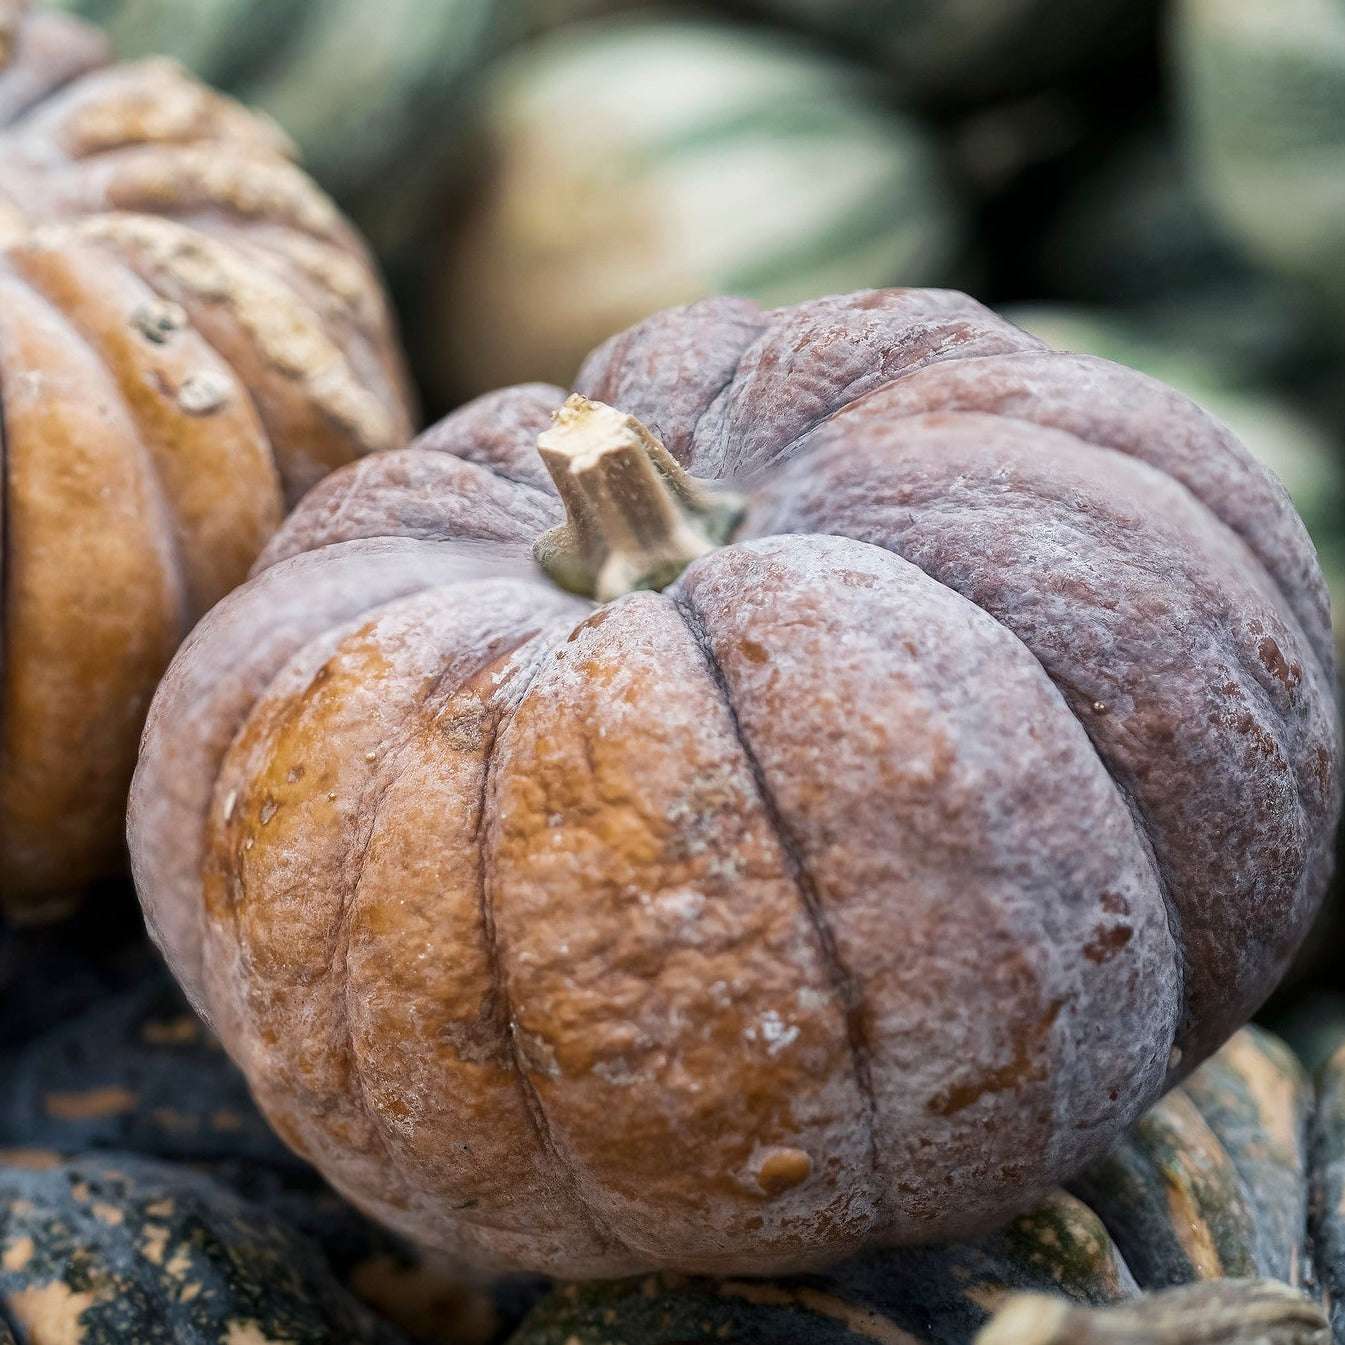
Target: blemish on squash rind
point(1107, 941)
point(1022, 1068)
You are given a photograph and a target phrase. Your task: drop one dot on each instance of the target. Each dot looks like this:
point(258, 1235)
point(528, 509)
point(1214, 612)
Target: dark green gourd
point(111, 1248)
point(129, 1068)
point(1328, 1187)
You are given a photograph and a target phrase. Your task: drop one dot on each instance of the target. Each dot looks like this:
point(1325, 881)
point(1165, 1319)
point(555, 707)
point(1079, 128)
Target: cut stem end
point(634, 518)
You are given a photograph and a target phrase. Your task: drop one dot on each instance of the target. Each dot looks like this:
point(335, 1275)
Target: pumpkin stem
point(1229, 1312)
point(634, 518)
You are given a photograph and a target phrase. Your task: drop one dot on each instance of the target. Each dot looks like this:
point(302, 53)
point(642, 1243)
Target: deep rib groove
point(795, 450)
point(499, 989)
point(845, 985)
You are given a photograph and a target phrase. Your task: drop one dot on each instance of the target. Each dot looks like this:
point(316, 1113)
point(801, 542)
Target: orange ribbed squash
point(190, 337)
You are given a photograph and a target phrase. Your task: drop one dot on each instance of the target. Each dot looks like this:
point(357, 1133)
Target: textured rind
point(943, 1295)
point(192, 336)
point(858, 888)
point(112, 1248)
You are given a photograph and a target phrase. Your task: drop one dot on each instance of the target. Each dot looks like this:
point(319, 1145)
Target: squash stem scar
point(634, 518)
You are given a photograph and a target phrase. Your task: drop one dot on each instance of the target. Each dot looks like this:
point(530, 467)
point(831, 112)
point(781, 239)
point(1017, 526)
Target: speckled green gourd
point(1212, 1183)
point(133, 1070)
point(616, 186)
point(1328, 1187)
point(114, 1248)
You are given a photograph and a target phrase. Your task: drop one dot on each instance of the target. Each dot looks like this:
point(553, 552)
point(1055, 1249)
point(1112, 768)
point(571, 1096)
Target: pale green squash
point(1262, 86)
point(638, 164)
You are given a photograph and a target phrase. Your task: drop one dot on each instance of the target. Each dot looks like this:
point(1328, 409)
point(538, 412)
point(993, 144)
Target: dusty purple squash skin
point(1016, 689)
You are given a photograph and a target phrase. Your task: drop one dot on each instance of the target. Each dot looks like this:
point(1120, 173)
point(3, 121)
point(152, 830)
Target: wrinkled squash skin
point(1212, 1183)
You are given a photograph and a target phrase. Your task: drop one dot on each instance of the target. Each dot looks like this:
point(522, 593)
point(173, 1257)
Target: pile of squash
point(766, 810)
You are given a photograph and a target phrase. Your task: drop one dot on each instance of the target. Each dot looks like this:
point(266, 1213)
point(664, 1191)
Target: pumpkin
point(1262, 92)
point(1286, 440)
point(885, 756)
point(616, 186)
point(385, 134)
point(190, 336)
point(975, 49)
point(1213, 1184)
point(137, 1072)
point(114, 1248)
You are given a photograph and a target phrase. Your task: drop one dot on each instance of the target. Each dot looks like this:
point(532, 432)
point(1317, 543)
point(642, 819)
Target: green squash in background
point(1262, 87)
point(108, 1249)
point(637, 164)
point(374, 92)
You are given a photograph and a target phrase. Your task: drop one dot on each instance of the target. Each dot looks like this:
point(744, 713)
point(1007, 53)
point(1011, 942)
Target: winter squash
point(881, 716)
point(1263, 97)
point(616, 186)
point(1218, 1168)
point(189, 337)
point(952, 54)
point(113, 1248)
point(137, 1072)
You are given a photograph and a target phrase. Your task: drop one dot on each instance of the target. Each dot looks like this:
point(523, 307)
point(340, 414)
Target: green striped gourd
point(372, 93)
point(637, 164)
point(1213, 1183)
point(111, 1249)
point(1263, 96)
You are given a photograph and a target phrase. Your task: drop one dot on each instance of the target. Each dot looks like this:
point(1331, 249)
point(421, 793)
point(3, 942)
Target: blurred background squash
point(1262, 94)
point(375, 95)
point(633, 164)
point(191, 335)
